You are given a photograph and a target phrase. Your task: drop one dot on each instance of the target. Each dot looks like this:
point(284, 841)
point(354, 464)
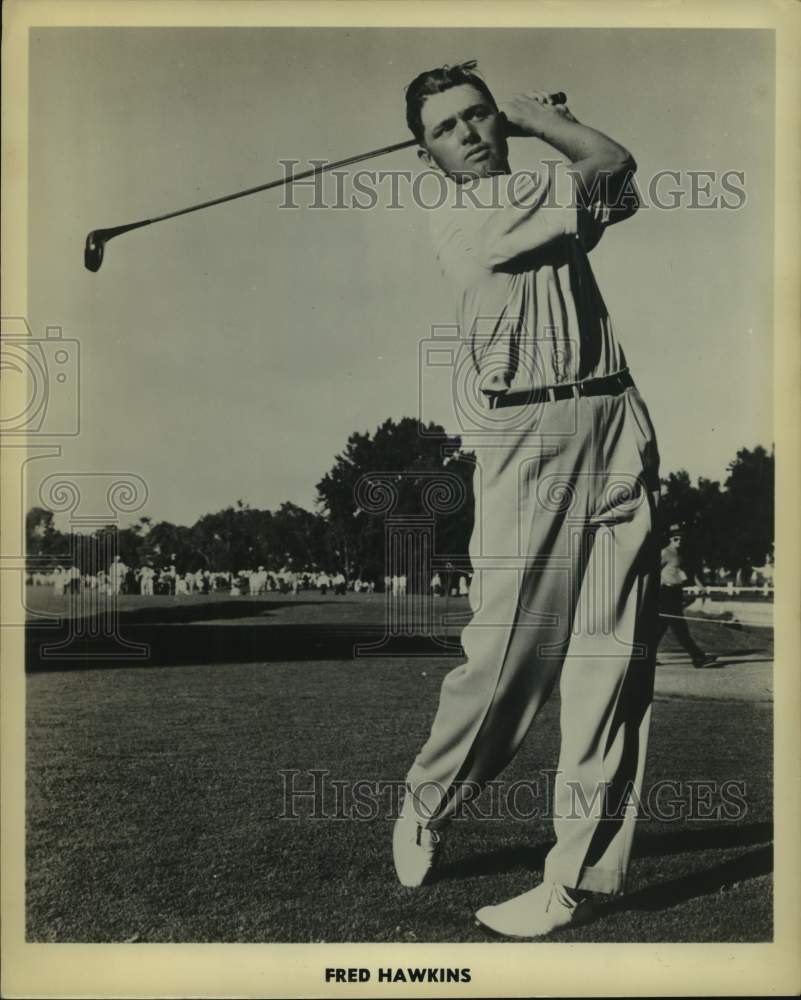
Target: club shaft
point(558, 98)
point(288, 179)
point(97, 238)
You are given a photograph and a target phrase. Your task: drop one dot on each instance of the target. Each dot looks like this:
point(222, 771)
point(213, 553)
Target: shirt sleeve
point(591, 223)
point(488, 227)
point(536, 209)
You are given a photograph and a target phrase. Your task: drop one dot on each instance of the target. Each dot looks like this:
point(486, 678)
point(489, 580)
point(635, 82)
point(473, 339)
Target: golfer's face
point(464, 134)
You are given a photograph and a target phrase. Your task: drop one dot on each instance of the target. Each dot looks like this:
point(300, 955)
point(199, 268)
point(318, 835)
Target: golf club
point(97, 238)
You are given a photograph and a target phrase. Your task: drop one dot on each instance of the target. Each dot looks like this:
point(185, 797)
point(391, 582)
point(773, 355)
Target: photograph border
point(297, 970)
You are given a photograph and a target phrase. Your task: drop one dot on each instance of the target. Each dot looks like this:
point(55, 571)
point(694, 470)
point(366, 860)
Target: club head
point(93, 251)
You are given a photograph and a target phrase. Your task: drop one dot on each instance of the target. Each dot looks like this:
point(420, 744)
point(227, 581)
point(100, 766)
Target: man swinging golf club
point(566, 488)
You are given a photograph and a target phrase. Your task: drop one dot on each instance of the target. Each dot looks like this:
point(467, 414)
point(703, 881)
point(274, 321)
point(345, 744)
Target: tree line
point(728, 527)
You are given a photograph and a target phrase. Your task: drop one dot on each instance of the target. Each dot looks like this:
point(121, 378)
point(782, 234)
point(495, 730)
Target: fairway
point(155, 789)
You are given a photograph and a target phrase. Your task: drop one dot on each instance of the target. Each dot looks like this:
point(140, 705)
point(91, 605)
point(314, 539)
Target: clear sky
point(230, 353)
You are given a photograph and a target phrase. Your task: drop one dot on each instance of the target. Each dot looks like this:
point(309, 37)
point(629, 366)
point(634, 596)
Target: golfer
point(566, 487)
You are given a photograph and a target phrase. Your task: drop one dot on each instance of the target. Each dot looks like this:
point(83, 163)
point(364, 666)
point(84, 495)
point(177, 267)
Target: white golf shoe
point(414, 847)
point(535, 913)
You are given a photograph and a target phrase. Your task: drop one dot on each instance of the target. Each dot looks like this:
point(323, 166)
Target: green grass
point(154, 795)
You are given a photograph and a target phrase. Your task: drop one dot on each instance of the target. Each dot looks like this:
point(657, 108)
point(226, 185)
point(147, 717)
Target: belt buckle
point(576, 389)
point(551, 390)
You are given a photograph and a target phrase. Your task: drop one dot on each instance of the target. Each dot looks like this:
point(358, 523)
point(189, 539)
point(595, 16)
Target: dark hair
point(435, 81)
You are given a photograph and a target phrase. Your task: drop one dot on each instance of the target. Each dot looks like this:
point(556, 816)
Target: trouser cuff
point(590, 878)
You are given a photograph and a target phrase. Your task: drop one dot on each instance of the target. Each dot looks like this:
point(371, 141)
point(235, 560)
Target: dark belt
point(610, 385)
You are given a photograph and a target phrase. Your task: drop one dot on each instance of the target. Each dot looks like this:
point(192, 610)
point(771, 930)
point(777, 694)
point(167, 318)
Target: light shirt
point(672, 573)
point(526, 298)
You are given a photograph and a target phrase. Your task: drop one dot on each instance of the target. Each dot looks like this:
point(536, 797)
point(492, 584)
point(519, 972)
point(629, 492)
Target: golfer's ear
point(425, 156)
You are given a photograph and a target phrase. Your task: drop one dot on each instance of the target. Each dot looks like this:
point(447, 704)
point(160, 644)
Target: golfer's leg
point(606, 689)
point(455, 756)
point(522, 603)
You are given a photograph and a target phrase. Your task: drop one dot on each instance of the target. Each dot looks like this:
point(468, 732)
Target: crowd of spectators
point(148, 580)
point(166, 580)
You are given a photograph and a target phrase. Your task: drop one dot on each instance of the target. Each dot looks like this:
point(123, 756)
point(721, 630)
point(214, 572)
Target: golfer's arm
point(603, 169)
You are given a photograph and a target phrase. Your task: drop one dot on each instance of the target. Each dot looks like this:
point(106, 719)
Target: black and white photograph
point(393, 446)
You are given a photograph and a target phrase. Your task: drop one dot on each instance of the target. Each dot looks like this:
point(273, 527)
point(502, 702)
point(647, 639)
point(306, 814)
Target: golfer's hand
point(530, 114)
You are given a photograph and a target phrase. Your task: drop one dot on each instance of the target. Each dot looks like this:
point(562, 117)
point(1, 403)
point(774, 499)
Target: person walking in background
point(671, 601)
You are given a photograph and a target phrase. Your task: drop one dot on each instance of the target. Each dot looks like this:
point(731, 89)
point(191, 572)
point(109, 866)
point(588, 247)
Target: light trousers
point(566, 558)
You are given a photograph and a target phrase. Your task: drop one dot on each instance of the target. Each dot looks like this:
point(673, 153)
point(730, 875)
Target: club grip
point(514, 132)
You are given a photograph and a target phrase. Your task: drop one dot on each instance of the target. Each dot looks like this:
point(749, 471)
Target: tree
point(679, 503)
point(38, 525)
point(300, 539)
point(397, 450)
point(168, 543)
point(222, 538)
point(711, 538)
point(45, 545)
point(749, 509)
point(728, 528)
